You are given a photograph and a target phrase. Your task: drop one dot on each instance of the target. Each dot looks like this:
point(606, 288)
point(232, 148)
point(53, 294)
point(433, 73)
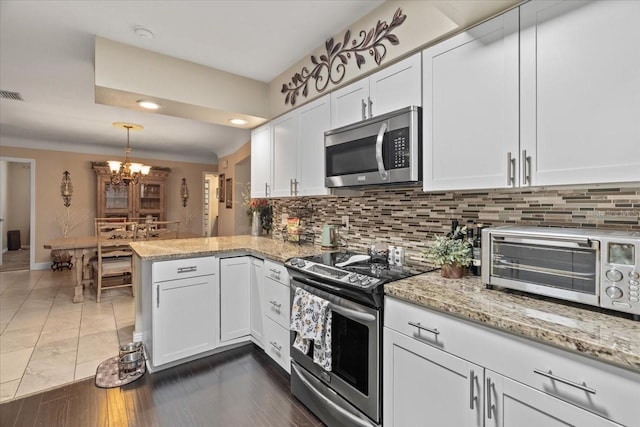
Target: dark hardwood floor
point(240, 387)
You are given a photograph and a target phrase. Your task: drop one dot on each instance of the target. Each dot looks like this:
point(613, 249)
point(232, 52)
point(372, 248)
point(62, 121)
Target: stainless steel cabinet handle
point(189, 269)
point(419, 326)
point(526, 168)
point(370, 107)
point(472, 397)
point(277, 305)
point(275, 273)
point(511, 179)
point(157, 296)
point(266, 189)
point(550, 375)
point(364, 110)
point(275, 345)
point(291, 187)
point(295, 186)
point(490, 406)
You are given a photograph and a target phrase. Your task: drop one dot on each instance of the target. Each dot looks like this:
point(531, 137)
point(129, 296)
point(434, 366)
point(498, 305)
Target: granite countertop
point(587, 331)
point(267, 247)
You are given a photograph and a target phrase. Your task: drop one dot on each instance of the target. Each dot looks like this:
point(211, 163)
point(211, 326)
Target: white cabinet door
point(516, 405)
point(580, 65)
point(395, 87)
point(183, 320)
point(261, 161)
point(427, 386)
point(285, 156)
point(235, 298)
point(256, 272)
point(470, 108)
point(349, 104)
point(315, 119)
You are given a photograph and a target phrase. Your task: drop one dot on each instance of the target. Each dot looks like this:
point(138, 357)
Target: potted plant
point(451, 253)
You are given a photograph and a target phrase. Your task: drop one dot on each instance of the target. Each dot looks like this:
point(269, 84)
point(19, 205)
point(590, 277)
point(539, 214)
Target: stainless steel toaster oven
point(596, 267)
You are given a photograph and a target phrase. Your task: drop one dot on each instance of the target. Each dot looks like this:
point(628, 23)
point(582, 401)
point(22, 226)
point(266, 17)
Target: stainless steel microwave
point(596, 267)
point(382, 150)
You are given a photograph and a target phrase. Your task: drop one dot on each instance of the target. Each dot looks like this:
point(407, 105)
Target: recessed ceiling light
point(149, 105)
point(143, 33)
point(237, 121)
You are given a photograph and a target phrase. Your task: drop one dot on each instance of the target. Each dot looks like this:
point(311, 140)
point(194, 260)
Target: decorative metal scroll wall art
point(331, 66)
point(184, 192)
point(66, 188)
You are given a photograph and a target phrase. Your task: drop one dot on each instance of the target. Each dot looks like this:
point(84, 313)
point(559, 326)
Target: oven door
point(355, 339)
point(566, 268)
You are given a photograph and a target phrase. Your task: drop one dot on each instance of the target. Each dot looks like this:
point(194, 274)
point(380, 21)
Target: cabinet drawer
point(276, 343)
point(603, 389)
point(427, 326)
point(183, 268)
point(276, 303)
point(276, 271)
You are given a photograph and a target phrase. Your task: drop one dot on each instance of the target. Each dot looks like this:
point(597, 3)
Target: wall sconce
point(184, 192)
point(66, 188)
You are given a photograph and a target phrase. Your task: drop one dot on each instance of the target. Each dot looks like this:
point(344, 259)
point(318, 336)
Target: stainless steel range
point(349, 394)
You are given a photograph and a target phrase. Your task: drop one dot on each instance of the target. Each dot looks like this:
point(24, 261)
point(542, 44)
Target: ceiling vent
point(5, 94)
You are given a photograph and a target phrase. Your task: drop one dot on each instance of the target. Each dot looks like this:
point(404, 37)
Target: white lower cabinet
point(276, 307)
point(427, 386)
point(256, 273)
point(276, 343)
point(235, 296)
point(442, 371)
point(183, 322)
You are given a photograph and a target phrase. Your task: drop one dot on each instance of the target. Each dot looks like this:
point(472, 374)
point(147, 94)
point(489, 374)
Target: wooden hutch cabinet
point(147, 197)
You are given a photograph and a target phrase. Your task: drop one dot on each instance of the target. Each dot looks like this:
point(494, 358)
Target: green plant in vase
point(451, 253)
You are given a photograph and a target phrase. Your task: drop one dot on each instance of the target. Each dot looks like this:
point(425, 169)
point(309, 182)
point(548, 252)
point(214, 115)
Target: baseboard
point(41, 266)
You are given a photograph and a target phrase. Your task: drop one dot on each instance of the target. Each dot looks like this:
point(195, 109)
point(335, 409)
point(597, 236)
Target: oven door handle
point(334, 304)
point(383, 173)
point(352, 314)
point(351, 416)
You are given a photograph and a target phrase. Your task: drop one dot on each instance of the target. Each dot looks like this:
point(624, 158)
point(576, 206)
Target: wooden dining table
point(88, 245)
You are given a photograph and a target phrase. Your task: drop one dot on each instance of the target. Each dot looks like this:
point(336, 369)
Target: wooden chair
point(158, 230)
point(113, 265)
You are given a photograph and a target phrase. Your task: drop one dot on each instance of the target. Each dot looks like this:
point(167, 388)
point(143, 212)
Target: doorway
point(210, 205)
point(17, 213)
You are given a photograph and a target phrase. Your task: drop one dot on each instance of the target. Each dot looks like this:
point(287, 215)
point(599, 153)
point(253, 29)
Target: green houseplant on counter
point(451, 253)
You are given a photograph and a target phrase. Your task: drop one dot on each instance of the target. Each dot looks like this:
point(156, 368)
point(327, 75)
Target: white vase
point(256, 224)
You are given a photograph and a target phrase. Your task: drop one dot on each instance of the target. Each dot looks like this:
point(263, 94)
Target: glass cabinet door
point(117, 196)
point(149, 197)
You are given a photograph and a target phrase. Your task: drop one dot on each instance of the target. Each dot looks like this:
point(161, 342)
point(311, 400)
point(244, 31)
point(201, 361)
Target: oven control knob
point(614, 292)
point(353, 277)
point(294, 261)
point(365, 281)
point(635, 275)
point(614, 275)
point(301, 263)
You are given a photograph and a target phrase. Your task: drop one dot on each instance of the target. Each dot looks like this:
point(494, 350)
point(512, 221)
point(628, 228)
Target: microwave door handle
point(554, 241)
point(383, 173)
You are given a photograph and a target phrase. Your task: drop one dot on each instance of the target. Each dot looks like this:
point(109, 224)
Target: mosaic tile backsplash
point(409, 217)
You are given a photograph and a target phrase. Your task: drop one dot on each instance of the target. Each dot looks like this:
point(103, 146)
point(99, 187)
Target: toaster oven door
point(561, 268)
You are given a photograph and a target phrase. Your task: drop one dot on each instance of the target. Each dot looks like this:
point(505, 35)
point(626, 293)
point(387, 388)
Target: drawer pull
point(189, 269)
point(275, 273)
point(276, 304)
point(549, 374)
point(276, 346)
point(419, 326)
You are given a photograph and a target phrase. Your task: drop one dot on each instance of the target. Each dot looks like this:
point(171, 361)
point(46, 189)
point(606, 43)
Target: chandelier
point(127, 172)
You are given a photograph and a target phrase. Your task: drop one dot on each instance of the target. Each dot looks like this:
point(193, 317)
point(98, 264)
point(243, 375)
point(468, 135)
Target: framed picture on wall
point(221, 188)
point(228, 189)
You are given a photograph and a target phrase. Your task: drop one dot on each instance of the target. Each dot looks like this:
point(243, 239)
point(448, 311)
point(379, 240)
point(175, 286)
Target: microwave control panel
point(400, 150)
point(621, 276)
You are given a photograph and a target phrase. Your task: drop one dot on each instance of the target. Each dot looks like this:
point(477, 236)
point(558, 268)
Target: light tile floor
point(46, 340)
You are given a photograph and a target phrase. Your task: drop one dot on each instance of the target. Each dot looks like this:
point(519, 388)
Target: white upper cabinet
point(261, 161)
point(392, 88)
point(580, 71)
point(286, 133)
point(298, 150)
point(314, 121)
point(470, 108)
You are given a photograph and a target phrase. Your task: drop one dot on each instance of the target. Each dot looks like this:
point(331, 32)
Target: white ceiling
point(46, 54)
